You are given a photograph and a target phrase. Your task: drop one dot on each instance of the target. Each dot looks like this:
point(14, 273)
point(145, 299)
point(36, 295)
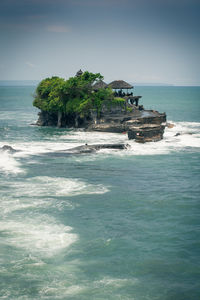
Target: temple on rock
point(86, 101)
point(121, 89)
point(120, 86)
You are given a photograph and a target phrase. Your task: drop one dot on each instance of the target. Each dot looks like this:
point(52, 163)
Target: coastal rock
point(8, 149)
point(107, 127)
point(87, 149)
point(183, 133)
point(170, 125)
point(92, 148)
point(141, 125)
point(46, 119)
point(146, 133)
point(119, 123)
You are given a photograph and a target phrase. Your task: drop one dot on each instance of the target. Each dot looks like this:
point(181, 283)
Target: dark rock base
point(146, 133)
point(143, 126)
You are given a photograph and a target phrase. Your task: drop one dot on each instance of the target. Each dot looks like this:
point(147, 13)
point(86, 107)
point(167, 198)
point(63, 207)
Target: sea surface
point(111, 225)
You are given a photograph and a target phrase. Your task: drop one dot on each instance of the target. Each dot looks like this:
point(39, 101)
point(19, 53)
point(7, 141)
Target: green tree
point(73, 97)
point(50, 97)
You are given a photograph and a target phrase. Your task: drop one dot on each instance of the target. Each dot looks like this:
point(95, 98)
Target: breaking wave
point(182, 136)
point(56, 186)
point(40, 235)
point(9, 164)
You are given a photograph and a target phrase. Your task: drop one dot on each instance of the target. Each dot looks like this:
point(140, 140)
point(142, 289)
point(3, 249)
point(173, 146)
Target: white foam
point(29, 260)
point(62, 288)
point(37, 148)
point(36, 233)
point(44, 191)
point(26, 149)
point(39, 235)
point(56, 186)
point(8, 164)
point(59, 289)
point(189, 137)
point(64, 142)
point(10, 204)
point(189, 134)
point(115, 282)
point(94, 137)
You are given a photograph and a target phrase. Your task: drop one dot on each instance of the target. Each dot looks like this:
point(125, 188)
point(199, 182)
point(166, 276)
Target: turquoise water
point(111, 225)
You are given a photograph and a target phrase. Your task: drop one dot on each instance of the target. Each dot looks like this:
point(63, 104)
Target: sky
point(140, 41)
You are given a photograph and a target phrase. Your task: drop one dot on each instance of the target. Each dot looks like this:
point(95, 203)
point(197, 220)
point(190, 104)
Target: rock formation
point(143, 126)
point(92, 148)
point(146, 133)
point(85, 101)
point(87, 149)
point(8, 148)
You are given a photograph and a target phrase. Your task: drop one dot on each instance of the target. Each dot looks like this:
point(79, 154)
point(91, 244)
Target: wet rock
point(115, 120)
point(170, 125)
point(157, 119)
point(146, 133)
point(46, 119)
point(92, 148)
point(122, 123)
point(108, 127)
point(178, 133)
point(8, 149)
point(155, 138)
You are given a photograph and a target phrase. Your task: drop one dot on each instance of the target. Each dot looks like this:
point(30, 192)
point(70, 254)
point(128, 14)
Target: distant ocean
point(111, 225)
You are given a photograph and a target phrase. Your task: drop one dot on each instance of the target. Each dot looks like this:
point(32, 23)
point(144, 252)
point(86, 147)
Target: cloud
point(57, 28)
point(29, 64)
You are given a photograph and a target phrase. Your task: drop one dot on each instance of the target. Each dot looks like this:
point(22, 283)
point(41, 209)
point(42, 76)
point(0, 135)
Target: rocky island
point(86, 101)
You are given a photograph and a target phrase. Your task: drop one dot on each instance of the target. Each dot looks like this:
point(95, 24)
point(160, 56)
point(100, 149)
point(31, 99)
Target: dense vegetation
point(74, 96)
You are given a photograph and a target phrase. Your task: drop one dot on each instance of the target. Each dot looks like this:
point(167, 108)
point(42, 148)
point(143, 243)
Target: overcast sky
point(149, 41)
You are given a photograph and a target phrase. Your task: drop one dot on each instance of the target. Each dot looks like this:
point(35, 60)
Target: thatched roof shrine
point(100, 84)
point(120, 84)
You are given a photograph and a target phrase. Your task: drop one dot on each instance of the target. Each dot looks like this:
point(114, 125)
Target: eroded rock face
point(143, 126)
point(108, 127)
point(146, 133)
point(46, 119)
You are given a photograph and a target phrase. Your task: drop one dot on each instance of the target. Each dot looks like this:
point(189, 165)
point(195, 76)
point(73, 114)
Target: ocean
point(116, 224)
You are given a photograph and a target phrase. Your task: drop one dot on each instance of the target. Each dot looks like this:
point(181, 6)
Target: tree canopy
point(72, 96)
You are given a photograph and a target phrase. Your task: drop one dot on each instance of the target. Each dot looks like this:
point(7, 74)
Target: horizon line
point(5, 82)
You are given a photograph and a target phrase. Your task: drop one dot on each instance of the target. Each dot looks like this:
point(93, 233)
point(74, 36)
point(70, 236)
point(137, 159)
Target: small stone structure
point(79, 73)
